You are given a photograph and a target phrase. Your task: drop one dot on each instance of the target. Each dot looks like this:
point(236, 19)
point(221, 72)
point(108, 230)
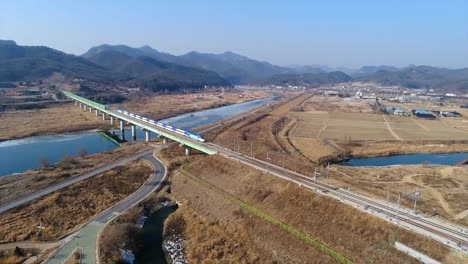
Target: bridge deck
point(186, 141)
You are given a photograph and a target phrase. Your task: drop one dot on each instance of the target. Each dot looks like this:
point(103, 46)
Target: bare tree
point(82, 152)
point(44, 162)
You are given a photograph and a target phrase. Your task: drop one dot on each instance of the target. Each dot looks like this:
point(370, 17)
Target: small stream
point(152, 240)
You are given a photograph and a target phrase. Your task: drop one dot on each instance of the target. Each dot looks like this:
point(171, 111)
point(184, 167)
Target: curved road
point(86, 238)
point(56, 187)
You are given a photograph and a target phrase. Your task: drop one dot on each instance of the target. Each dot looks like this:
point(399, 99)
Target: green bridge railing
point(198, 146)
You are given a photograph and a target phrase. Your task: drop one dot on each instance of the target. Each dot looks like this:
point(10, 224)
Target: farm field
point(312, 130)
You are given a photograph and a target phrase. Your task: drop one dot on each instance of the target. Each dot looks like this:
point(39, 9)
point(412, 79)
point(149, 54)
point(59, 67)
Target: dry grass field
point(30, 181)
point(164, 106)
point(54, 120)
point(219, 230)
point(64, 211)
point(443, 188)
point(318, 129)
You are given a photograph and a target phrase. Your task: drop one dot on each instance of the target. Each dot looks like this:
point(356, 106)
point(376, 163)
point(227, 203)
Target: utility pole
point(268, 161)
point(251, 150)
point(41, 229)
point(388, 200)
point(398, 208)
point(415, 194)
point(283, 158)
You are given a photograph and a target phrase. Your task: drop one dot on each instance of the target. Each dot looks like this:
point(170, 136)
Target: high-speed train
point(159, 124)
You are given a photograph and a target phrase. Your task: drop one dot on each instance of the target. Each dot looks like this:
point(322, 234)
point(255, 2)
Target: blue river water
point(17, 156)
point(412, 159)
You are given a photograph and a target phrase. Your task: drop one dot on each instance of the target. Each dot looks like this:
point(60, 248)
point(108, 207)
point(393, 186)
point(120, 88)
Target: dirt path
point(419, 124)
point(325, 125)
point(30, 244)
point(462, 215)
point(395, 135)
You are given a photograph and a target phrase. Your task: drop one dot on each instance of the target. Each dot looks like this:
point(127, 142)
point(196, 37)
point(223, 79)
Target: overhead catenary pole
point(388, 200)
point(398, 207)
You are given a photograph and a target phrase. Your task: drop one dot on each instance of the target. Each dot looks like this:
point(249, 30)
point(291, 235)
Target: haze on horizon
point(335, 33)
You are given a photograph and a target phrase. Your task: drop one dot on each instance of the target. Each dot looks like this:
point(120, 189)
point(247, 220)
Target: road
point(453, 236)
point(59, 186)
point(86, 238)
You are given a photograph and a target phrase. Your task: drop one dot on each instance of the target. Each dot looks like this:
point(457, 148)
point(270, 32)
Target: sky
point(335, 33)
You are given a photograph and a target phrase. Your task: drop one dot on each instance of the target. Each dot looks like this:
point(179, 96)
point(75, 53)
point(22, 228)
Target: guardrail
point(84, 100)
point(295, 232)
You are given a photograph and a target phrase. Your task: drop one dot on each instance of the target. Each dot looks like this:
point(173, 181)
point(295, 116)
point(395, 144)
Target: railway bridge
point(114, 116)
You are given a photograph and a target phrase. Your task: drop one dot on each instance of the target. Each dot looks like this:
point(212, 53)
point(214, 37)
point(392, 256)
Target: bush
point(67, 163)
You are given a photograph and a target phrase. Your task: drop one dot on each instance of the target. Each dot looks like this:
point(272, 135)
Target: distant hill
point(132, 52)
point(153, 74)
point(236, 68)
point(30, 63)
point(308, 79)
point(366, 70)
point(423, 77)
point(23, 63)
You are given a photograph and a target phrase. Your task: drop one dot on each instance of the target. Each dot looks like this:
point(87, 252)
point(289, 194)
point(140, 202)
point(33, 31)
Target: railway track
point(455, 236)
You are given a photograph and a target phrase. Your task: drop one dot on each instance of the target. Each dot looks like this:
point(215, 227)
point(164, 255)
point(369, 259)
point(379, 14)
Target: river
point(17, 156)
point(410, 159)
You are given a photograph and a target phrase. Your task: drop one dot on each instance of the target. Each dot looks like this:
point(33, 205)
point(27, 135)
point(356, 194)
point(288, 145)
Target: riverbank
point(64, 212)
point(68, 118)
point(366, 149)
point(19, 185)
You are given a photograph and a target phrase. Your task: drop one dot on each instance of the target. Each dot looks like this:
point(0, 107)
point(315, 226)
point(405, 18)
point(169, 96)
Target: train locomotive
point(162, 125)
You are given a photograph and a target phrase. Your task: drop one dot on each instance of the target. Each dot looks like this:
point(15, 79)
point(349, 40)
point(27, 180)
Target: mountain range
point(153, 70)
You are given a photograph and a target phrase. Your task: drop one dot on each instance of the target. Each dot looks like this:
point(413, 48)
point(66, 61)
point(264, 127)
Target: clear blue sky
point(337, 33)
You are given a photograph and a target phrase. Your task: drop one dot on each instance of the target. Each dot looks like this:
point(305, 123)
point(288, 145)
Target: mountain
point(153, 74)
point(30, 63)
point(20, 63)
point(235, 68)
point(132, 52)
point(366, 70)
point(308, 79)
point(423, 77)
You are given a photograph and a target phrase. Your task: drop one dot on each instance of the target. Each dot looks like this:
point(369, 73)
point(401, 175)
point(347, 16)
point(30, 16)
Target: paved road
point(54, 188)
point(86, 238)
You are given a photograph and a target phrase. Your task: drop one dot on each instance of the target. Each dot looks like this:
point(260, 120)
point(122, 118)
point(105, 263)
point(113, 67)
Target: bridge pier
point(112, 120)
point(134, 132)
point(103, 116)
point(84, 107)
point(81, 106)
point(147, 135)
point(122, 130)
point(165, 140)
point(97, 112)
point(76, 102)
point(90, 109)
point(188, 151)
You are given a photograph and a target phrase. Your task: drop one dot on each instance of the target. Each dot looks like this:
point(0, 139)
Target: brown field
point(443, 188)
point(69, 118)
point(164, 106)
point(54, 120)
point(309, 130)
point(30, 181)
point(219, 230)
point(63, 212)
